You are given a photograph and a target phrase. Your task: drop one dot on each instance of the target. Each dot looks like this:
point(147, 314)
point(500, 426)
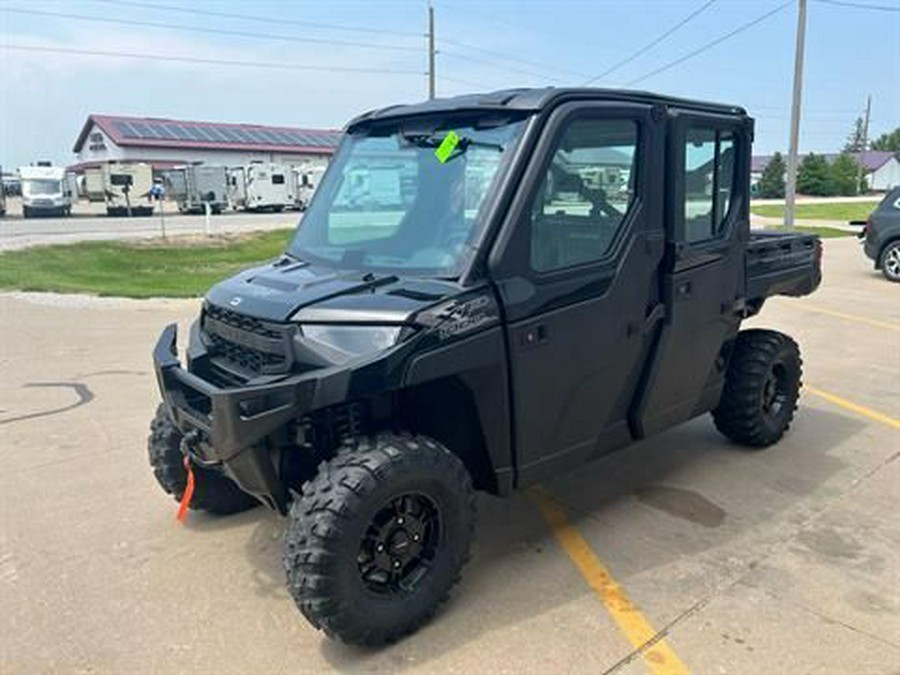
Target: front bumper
point(235, 421)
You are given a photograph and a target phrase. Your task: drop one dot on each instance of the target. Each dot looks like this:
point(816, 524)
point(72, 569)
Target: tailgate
point(783, 263)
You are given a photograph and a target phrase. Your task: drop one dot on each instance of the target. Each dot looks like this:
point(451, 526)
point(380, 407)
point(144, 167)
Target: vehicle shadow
point(683, 499)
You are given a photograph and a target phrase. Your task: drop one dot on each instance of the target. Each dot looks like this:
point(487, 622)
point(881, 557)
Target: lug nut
point(416, 537)
point(396, 564)
point(400, 520)
point(380, 548)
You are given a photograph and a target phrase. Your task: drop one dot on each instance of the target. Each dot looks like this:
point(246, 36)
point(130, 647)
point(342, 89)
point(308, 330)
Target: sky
point(340, 58)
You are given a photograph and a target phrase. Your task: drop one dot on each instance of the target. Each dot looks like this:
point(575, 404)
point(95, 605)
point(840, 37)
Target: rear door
point(707, 215)
point(576, 270)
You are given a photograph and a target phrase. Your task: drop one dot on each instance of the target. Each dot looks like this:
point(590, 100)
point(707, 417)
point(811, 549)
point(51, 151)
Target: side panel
point(479, 364)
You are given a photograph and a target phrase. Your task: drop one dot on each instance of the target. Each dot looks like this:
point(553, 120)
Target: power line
point(652, 44)
point(861, 5)
point(260, 19)
point(710, 45)
point(490, 64)
point(506, 57)
point(212, 31)
point(192, 59)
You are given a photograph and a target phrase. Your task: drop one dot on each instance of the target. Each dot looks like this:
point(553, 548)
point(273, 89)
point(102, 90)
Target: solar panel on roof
point(126, 129)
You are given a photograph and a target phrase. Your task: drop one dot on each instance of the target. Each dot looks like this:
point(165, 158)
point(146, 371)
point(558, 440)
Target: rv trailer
point(195, 185)
point(261, 186)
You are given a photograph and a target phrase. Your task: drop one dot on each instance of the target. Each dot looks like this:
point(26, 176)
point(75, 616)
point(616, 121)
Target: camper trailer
point(45, 191)
point(124, 187)
point(261, 186)
point(194, 186)
point(307, 179)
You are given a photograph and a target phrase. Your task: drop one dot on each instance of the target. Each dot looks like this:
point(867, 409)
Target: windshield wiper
point(432, 141)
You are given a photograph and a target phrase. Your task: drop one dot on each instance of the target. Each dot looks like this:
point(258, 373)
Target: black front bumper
point(235, 421)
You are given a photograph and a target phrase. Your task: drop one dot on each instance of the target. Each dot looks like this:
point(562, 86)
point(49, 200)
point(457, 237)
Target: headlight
point(352, 340)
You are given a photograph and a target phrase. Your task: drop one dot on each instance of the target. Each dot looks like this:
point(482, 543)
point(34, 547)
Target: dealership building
point(165, 143)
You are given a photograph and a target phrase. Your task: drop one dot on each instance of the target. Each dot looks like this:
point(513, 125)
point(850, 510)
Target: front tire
point(379, 537)
point(213, 492)
point(762, 386)
point(889, 262)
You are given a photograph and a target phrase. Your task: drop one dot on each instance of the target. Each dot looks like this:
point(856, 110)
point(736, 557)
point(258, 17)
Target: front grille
point(250, 344)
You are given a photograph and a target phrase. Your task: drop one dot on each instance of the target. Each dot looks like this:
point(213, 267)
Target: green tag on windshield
point(447, 146)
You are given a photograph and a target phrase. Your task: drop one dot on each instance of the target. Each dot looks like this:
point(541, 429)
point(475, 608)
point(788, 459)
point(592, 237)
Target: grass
point(180, 268)
point(824, 232)
point(843, 211)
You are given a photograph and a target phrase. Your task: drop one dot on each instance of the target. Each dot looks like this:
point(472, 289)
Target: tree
point(856, 141)
point(771, 183)
point(889, 141)
point(844, 175)
point(814, 176)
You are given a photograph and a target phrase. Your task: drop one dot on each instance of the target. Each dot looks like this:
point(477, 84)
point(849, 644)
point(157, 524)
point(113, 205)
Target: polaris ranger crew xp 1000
point(485, 291)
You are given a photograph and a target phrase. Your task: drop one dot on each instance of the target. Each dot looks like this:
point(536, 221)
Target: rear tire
point(213, 492)
point(378, 538)
point(762, 386)
point(889, 262)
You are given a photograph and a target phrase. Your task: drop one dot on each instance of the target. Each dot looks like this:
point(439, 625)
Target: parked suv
point(485, 291)
point(882, 236)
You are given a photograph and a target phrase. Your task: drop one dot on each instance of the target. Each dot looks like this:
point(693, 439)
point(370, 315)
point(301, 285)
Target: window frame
point(512, 250)
point(682, 122)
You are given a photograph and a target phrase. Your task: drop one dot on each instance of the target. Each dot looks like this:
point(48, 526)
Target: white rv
point(124, 187)
point(308, 178)
point(45, 191)
point(261, 186)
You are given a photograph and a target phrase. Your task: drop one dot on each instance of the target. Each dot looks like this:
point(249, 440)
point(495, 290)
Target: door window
point(585, 195)
point(709, 168)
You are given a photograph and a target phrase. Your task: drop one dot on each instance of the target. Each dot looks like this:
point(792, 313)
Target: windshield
point(41, 186)
point(392, 201)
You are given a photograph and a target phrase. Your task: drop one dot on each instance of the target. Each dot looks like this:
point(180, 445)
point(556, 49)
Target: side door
point(576, 269)
point(707, 214)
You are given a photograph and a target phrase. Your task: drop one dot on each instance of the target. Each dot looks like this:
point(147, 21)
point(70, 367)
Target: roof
point(533, 100)
point(871, 160)
point(156, 132)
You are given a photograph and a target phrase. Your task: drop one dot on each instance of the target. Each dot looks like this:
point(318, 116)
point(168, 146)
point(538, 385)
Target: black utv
point(484, 292)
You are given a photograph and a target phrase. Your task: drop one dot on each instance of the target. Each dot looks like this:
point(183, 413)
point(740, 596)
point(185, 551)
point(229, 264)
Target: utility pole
point(430, 51)
point(865, 144)
point(791, 187)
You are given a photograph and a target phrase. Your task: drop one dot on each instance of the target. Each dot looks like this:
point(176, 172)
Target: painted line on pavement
point(654, 650)
point(854, 407)
point(851, 317)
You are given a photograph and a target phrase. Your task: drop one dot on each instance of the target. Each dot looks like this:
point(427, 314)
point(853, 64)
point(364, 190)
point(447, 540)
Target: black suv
point(484, 292)
point(882, 235)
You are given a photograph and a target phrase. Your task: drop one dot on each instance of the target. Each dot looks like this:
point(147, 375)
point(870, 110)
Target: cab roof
point(533, 100)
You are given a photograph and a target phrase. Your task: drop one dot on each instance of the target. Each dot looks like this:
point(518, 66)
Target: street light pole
point(430, 52)
point(791, 187)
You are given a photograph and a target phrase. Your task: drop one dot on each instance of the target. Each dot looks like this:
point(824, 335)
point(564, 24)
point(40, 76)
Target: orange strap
point(188, 492)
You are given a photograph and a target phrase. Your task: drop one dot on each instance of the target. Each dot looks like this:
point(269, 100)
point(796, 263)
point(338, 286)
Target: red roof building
point(165, 142)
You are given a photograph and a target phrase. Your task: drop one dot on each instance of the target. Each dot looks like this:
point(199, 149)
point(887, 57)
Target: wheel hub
point(774, 391)
point(399, 546)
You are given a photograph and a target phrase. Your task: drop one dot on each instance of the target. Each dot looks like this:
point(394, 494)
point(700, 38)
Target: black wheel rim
point(400, 545)
point(775, 391)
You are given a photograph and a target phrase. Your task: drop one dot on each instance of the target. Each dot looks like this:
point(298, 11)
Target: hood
point(276, 291)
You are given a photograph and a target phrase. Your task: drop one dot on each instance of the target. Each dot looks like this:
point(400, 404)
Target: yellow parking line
point(854, 407)
point(852, 317)
point(655, 651)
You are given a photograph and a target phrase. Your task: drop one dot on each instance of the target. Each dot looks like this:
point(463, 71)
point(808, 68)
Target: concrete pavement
point(783, 561)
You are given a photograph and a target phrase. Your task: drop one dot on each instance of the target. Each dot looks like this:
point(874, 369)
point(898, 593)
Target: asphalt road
point(781, 561)
point(88, 223)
